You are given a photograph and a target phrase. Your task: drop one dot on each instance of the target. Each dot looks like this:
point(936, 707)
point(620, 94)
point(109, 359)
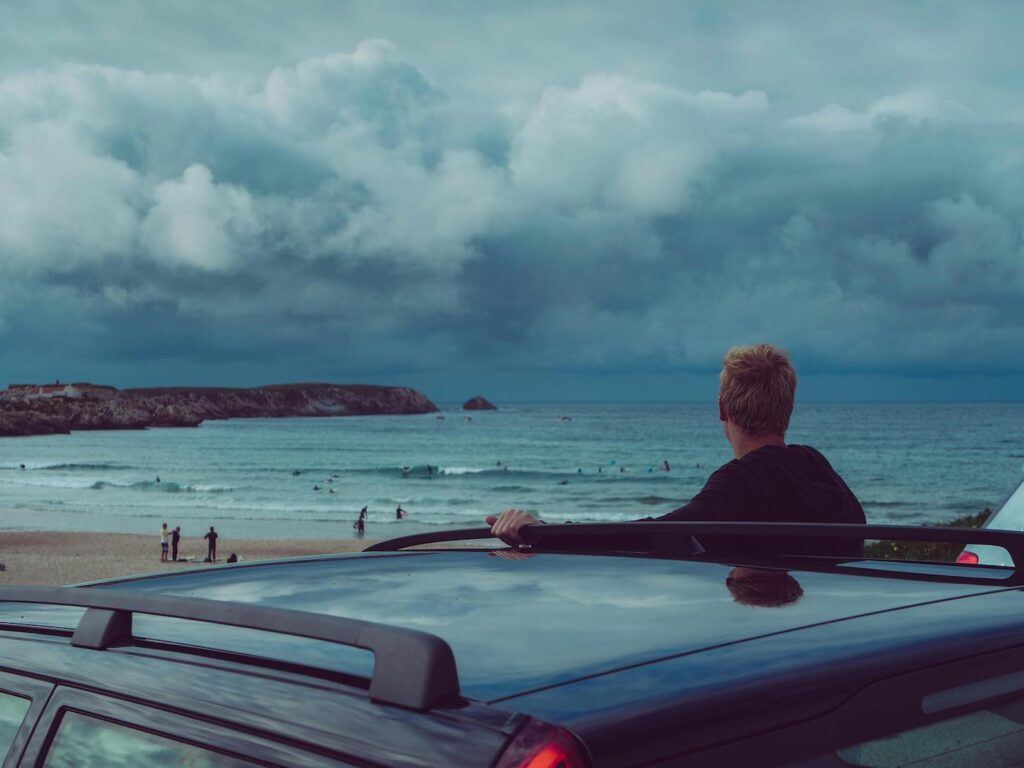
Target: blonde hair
point(758, 385)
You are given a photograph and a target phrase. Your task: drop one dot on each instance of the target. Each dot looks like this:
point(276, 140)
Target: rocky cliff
point(190, 406)
point(479, 403)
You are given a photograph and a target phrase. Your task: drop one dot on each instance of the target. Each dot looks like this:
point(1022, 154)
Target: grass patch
point(925, 550)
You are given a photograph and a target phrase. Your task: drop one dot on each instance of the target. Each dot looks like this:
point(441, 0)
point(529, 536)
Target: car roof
point(519, 623)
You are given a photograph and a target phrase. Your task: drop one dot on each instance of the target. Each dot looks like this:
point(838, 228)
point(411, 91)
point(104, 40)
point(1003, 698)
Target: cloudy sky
point(530, 200)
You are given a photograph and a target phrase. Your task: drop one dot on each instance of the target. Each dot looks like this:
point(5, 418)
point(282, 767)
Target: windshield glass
point(1010, 516)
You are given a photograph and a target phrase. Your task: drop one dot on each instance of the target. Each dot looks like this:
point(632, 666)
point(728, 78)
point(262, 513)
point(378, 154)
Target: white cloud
point(199, 223)
point(422, 215)
point(913, 106)
point(369, 90)
point(609, 221)
point(622, 143)
point(61, 203)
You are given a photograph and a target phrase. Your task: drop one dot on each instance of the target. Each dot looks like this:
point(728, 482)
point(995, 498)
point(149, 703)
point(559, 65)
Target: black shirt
point(779, 484)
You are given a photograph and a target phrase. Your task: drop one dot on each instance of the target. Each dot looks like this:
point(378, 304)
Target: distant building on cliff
point(81, 389)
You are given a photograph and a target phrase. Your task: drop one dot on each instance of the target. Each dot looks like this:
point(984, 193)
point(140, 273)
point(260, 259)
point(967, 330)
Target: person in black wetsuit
point(211, 545)
point(175, 540)
point(768, 480)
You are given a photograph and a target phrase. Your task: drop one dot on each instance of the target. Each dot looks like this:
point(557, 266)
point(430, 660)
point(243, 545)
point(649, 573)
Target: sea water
point(908, 463)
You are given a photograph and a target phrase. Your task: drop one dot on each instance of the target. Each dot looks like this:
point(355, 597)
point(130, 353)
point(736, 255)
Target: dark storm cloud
point(368, 206)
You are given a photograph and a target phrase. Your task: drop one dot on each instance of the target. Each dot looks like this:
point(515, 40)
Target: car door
point(80, 729)
point(967, 713)
point(22, 699)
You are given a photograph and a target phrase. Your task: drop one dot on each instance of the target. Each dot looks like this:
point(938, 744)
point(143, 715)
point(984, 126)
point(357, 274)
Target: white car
point(1009, 517)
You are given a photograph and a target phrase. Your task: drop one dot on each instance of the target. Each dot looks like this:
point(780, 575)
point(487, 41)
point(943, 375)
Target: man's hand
point(506, 526)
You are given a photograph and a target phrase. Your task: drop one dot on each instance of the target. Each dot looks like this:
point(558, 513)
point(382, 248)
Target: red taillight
point(540, 745)
point(967, 558)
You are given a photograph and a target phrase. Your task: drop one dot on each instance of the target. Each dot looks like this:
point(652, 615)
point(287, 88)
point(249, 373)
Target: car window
point(88, 742)
point(12, 712)
point(993, 738)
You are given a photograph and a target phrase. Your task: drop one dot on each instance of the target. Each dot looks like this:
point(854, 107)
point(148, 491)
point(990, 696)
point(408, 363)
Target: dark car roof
point(518, 624)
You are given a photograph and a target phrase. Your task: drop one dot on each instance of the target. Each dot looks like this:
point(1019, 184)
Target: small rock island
point(479, 403)
point(32, 409)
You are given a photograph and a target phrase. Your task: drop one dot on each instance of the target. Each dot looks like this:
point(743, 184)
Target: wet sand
point(47, 557)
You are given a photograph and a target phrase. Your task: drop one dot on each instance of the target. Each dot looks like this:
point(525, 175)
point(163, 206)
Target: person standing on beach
point(163, 543)
point(175, 538)
point(211, 545)
point(768, 480)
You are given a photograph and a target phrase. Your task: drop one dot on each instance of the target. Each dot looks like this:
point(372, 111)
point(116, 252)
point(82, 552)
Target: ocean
point(253, 478)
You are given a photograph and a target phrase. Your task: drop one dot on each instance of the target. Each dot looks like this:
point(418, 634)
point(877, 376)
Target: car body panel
point(525, 623)
point(711, 696)
point(324, 715)
point(641, 656)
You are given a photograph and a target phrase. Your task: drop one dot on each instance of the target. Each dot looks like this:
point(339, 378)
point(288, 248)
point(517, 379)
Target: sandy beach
point(47, 557)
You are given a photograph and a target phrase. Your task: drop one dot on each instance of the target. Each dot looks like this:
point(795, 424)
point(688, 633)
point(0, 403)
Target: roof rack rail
point(433, 537)
point(550, 535)
point(411, 668)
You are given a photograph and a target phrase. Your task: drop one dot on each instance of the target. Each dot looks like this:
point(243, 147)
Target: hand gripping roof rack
point(549, 536)
point(411, 668)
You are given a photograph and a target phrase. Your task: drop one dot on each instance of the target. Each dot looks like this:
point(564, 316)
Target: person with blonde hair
point(768, 480)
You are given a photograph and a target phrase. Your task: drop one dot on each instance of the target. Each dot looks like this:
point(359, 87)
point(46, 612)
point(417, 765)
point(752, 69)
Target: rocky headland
point(191, 406)
point(479, 403)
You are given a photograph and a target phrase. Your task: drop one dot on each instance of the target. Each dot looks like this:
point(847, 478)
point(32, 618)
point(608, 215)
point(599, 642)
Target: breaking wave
point(162, 487)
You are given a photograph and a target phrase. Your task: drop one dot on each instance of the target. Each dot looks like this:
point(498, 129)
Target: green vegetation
point(925, 550)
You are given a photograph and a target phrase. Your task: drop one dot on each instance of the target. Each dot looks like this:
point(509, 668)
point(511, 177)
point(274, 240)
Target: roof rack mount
point(411, 668)
point(550, 535)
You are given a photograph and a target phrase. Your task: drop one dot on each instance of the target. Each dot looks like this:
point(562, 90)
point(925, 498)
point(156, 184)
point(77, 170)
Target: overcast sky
point(529, 200)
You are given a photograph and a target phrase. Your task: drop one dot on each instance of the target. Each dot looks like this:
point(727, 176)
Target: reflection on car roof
point(576, 615)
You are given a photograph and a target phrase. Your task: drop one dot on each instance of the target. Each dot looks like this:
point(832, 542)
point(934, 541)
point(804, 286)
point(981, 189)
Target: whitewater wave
point(24, 480)
point(512, 476)
point(891, 504)
point(162, 487)
point(648, 500)
point(87, 466)
point(68, 466)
